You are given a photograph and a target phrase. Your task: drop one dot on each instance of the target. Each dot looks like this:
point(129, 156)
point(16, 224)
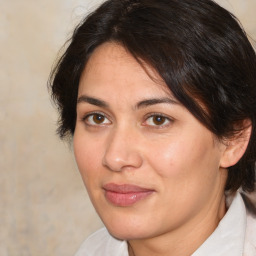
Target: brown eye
point(96, 119)
point(158, 120)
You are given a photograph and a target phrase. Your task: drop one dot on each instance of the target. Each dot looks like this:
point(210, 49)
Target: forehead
point(111, 65)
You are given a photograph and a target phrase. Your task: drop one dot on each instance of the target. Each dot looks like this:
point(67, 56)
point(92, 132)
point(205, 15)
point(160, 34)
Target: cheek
point(186, 168)
point(169, 158)
point(87, 155)
point(186, 160)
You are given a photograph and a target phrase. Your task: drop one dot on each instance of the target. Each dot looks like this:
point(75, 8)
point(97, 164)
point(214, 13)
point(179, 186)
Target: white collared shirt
point(228, 239)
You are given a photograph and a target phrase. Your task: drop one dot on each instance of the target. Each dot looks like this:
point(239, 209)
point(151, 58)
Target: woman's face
point(149, 166)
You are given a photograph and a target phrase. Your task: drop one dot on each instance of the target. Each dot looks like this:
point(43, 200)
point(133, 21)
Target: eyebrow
point(92, 101)
point(154, 101)
point(141, 104)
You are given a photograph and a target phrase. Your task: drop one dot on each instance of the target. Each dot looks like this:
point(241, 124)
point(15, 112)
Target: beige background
point(44, 209)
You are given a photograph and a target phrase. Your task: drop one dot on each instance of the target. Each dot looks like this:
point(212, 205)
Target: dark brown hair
point(197, 47)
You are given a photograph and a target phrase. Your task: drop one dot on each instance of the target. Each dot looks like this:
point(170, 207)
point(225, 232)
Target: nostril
point(119, 161)
point(113, 163)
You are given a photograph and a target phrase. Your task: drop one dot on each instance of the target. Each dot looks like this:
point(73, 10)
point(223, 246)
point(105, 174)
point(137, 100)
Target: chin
point(124, 234)
point(127, 223)
point(129, 230)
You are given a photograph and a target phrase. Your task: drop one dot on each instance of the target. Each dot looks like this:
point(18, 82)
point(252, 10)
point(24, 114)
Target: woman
point(159, 97)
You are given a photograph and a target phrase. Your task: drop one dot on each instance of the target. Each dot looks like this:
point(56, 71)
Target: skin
point(118, 140)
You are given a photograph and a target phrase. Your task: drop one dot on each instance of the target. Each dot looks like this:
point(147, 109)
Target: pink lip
point(126, 194)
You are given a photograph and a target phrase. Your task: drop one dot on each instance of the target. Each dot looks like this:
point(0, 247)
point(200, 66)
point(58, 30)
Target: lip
point(125, 194)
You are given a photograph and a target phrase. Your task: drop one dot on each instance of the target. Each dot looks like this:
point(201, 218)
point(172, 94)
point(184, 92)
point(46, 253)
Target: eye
point(96, 119)
point(157, 120)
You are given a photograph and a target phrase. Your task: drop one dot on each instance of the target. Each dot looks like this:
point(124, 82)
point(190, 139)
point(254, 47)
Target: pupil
point(98, 119)
point(159, 120)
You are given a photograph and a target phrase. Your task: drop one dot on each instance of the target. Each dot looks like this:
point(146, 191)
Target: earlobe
point(236, 146)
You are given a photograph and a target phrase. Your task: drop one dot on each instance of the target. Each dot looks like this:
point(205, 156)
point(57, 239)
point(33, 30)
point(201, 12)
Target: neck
point(183, 241)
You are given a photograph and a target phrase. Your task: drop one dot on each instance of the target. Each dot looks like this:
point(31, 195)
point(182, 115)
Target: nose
point(122, 151)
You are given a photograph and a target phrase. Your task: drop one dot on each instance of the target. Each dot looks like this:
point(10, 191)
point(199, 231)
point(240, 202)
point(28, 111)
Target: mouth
point(126, 194)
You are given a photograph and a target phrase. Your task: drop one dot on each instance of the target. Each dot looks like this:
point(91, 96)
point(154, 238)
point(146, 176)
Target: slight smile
point(125, 194)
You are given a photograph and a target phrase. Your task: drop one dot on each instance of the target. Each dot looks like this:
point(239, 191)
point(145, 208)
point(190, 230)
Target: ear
point(236, 146)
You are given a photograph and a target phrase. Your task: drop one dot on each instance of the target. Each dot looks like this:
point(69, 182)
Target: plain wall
point(44, 208)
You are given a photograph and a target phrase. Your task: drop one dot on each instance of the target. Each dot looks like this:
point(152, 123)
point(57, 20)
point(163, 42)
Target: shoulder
point(102, 243)
point(250, 236)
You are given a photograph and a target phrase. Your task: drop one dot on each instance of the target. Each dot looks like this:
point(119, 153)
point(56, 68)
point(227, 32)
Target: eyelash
point(167, 120)
point(85, 119)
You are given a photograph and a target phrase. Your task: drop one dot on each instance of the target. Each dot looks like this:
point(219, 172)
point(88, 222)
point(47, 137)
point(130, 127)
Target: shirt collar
point(228, 237)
